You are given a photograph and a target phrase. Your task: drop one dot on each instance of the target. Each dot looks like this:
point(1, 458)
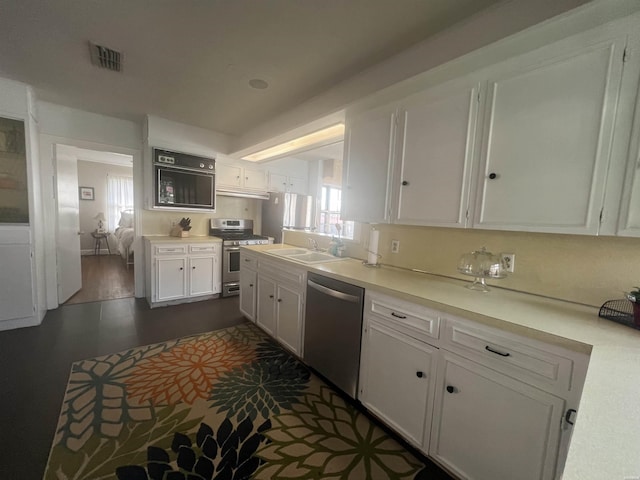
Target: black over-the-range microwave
point(184, 181)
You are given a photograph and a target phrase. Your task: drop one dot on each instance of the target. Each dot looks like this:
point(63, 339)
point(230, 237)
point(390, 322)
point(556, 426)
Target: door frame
point(47, 143)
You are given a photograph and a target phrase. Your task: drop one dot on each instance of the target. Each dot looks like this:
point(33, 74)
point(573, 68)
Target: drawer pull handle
point(419, 374)
point(251, 284)
point(279, 300)
point(193, 267)
point(451, 389)
point(567, 417)
point(270, 296)
point(394, 314)
point(489, 349)
point(247, 260)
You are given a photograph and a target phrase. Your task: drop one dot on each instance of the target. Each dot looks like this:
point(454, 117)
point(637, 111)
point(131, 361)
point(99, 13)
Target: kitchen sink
point(303, 255)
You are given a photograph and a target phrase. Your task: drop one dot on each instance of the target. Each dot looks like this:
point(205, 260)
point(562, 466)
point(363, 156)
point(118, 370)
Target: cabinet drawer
point(529, 360)
point(170, 249)
point(248, 261)
point(283, 272)
point(410, 318)
point(206, 248)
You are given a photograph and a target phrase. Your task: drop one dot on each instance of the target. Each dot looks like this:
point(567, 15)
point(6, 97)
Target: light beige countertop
point(606, 439)
point(194, 239)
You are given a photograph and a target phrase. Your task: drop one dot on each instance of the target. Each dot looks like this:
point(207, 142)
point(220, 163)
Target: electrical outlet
point(395, 246)
point(509, 261)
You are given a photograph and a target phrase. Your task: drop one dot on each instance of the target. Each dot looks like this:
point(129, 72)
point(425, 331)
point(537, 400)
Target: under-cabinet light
point(330, 133)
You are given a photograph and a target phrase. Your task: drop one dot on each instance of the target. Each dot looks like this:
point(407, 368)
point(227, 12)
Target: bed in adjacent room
point(125, 235)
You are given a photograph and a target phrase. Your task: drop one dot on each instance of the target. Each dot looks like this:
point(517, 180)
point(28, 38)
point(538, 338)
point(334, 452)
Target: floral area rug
point(228, 404)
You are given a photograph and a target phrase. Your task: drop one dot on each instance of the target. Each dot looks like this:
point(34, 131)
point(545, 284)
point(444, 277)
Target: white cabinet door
point(171, 277)
point(489, 426)
point(289, 314)
point(228, 175)
point(201, 275)
point(277, 182)
point(298, 185)
point(255, 179)
point(266, 305)
point(248, 288)
point(391, 363)
point(437, 148)
point(547, 137)
point(369, 144)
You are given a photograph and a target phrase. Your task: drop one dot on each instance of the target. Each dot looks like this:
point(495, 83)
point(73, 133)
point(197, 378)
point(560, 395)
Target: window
point(119, 198)
point(329, 221)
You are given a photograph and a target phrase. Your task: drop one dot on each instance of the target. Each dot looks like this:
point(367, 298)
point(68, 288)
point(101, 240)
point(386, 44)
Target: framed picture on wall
point(86, 193)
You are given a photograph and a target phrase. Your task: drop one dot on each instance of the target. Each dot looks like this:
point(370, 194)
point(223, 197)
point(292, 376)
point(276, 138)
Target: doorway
point(103, 249)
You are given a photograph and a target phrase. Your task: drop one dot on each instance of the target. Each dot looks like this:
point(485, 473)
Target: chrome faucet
point(313, 244)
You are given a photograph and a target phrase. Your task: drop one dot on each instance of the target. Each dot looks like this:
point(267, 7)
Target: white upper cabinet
point(547, 137)
point(234, 178)
point(436, 136)
point(368, 154)
point(286, 183)
point(228, 175)
point(628, 219)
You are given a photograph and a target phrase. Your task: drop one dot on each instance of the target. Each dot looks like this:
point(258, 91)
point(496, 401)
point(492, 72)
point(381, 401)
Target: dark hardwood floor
point(35, 364)
point(104, 277)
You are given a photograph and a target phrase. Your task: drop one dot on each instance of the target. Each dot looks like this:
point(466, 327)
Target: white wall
point(69, 126)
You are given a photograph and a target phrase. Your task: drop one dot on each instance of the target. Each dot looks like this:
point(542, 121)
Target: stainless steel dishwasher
point(333, 329)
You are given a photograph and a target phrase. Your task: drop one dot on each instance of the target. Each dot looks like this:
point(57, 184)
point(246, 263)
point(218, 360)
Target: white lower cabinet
point(483, 403)
point(182, 272)
point(393, 363)
point(171, 278)
point(489, 426)
point(275, 293)
point(280, 310)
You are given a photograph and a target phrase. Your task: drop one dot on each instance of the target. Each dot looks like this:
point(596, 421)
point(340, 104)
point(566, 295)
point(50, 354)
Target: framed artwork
point(86, 193)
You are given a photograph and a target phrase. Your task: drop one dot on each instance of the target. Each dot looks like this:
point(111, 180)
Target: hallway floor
point(104, 277)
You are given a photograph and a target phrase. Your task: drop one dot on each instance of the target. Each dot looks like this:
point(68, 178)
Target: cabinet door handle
point(193, 267)
point(247, 260)
point(251, 284)
point(451, 389)
point(502, 354)
point(405, 183)
point(279, 300)
point(567, 416)
point(270, 296)
point(394, 314)
point(419, 374)
point(493, 176)
point(181, 268)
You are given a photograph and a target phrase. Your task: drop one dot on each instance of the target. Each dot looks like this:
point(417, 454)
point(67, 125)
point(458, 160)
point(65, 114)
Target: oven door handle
point(231, 249)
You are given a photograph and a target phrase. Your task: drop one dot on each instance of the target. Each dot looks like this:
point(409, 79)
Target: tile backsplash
point(577, 268)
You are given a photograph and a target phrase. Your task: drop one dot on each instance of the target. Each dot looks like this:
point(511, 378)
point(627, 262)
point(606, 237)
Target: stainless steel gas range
point(234, 233)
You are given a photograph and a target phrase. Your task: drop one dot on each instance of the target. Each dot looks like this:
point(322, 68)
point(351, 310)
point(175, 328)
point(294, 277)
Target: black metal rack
point(620, 311)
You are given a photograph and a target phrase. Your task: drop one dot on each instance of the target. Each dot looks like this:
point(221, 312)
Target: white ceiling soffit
point(191, 61)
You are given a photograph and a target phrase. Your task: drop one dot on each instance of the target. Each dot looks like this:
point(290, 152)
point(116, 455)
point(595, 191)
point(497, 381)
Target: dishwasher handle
point(333, 293)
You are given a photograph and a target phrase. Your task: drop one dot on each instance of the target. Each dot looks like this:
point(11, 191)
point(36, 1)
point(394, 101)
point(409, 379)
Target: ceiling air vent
point(105, 57)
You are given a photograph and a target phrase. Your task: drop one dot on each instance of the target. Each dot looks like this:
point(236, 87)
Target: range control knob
point(210, 167)
point(202, 165)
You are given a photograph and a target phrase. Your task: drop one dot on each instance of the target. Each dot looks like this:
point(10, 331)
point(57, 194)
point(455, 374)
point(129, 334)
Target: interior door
point(68, 232)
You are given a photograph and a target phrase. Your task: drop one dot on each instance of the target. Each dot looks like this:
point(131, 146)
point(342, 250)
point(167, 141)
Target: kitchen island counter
point(607, 431)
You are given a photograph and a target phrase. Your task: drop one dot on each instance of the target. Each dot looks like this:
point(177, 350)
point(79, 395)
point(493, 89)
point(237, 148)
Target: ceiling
point(191, 61)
